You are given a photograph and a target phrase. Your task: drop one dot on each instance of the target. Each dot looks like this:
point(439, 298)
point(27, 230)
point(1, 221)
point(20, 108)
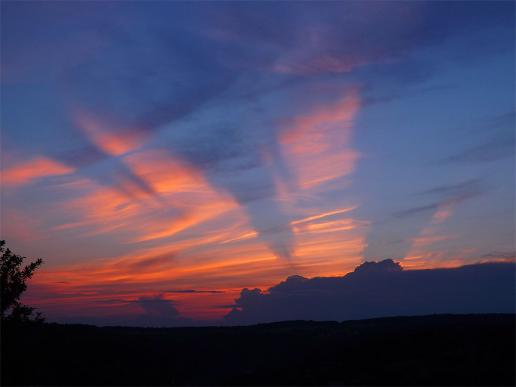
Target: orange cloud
point(228, 267)
point(317, 148)
point(317, 144)
point(98, 208)
point(37, 168)
point(184, 200)
point(89, 284)
point(106, 136)
point(166, 174)
point(443, 212)
point(184, 187)
point(421, 254)
point(244, 236)
point(323, 215)
point(191, 233)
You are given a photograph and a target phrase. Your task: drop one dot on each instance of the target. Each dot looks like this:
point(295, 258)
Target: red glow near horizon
point(193, 236)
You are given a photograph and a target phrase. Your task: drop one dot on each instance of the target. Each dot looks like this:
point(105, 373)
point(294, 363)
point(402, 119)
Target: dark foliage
point(13, 278)
point(428, 350)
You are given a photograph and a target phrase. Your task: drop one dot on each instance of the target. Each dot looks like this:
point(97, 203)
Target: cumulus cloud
point(145, 311)
point(377, 289)
point(158, 306)
point(158, 311)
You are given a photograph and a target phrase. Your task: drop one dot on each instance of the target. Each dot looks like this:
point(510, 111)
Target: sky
point(162, 156)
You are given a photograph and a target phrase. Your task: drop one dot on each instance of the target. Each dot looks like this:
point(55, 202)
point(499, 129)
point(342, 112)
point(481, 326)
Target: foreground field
point(428, 350)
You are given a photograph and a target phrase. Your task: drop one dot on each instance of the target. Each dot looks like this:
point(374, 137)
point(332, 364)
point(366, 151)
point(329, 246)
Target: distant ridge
point(462, 350)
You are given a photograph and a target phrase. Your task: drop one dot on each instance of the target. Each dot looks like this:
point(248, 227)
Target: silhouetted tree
point(13, 279)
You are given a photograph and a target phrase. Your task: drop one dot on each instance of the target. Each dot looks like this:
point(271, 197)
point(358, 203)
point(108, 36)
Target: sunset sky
point(179, 152)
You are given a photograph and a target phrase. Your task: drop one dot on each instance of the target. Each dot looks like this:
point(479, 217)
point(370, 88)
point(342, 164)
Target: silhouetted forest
point(428, 350)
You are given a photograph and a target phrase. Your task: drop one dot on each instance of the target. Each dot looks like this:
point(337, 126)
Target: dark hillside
point(429, 350)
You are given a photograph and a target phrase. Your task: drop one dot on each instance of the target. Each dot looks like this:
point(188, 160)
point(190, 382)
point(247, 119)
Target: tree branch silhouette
point(13, 281)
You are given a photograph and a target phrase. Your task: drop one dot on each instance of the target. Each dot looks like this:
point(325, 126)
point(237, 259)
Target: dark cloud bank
point(377, 289)
point(373, 289)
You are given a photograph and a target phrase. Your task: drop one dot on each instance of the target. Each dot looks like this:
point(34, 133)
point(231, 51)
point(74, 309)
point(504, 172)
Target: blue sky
point(215, 146)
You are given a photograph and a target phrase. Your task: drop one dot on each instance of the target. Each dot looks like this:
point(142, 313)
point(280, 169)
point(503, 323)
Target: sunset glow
point(185, 151)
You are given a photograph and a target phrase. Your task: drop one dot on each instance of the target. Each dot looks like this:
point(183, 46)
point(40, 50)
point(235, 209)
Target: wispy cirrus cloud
point(28, 171)
point(200, 147)
point(449, 196)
